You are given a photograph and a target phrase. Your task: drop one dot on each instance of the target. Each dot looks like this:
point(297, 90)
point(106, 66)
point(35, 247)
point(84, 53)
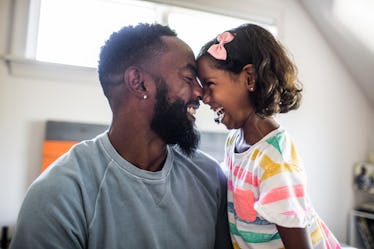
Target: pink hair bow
point(218, 51)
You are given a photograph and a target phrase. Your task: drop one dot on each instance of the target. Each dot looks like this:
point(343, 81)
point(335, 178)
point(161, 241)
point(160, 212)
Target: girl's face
point(226, 93)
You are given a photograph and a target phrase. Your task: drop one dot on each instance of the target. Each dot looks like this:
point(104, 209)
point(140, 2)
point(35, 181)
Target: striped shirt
point(267, 186)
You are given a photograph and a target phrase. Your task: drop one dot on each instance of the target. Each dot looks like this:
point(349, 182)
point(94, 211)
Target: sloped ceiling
point(357, 57)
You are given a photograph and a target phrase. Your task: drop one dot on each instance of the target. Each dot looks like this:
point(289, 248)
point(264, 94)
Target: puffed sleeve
point(282, 185)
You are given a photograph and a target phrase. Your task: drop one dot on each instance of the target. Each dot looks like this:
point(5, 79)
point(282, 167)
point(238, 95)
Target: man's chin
point(189, 146)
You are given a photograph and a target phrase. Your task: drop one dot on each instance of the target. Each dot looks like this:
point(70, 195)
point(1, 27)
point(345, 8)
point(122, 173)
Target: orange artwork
point(53, 149)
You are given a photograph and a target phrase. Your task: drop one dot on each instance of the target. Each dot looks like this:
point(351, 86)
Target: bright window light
point(72, 31)
point(197, 27)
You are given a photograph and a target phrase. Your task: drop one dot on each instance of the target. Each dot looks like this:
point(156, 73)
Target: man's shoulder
point(205, 157)
point(199, 162)
point(198, 156)
point(82, 153)
point(78, 165)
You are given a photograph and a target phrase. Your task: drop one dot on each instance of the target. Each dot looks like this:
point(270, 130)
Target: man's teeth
point(220, 114)
point(191, 110)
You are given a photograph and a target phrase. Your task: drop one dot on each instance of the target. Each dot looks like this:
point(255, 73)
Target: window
point(72, 31)
point(197, 27)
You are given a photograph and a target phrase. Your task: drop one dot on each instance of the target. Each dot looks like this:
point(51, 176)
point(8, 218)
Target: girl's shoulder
point(276, 138)
point(280, 146)
point(231, 138)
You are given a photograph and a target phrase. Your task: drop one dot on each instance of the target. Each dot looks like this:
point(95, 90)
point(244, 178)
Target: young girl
point(247, 78)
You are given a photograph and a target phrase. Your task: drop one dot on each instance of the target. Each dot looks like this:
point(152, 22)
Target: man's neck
point(141, 147)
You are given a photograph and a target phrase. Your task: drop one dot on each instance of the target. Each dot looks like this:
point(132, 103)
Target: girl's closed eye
point(208, 84)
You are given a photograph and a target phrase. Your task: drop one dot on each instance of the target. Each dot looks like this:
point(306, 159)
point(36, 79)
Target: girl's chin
point(229, 125)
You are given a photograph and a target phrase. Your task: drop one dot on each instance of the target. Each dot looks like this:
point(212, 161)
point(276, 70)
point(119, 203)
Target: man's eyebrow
point(191, 68)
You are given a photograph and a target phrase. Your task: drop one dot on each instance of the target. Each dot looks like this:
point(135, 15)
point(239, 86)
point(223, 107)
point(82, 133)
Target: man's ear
point(134, 79)
point(251, 76)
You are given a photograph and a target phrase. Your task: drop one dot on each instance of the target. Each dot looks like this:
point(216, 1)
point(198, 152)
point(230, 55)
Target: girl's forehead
point(207, 73)
point(205, 60)
point(207, 64)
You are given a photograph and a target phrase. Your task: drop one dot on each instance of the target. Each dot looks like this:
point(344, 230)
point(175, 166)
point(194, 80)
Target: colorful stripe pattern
point(266, 186)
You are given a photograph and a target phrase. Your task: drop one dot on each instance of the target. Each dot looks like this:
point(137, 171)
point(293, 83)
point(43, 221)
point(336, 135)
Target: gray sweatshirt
point(93, 198)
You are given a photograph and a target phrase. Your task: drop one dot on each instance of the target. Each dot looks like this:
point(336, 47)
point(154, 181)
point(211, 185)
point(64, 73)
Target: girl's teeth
point(220, 114)
point(191, 110)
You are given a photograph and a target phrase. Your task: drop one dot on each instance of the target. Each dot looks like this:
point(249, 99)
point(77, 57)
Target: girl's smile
point(226, 93)
point(220, 114)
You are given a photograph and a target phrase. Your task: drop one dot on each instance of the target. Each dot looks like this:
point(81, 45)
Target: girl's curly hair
point(277, 87)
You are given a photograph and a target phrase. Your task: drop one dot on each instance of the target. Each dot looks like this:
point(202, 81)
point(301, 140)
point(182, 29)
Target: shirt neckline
point(133, 170)
point(244, 153)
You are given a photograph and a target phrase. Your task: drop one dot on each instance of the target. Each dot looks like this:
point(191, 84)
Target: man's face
point(177, 95)
point(171, 122)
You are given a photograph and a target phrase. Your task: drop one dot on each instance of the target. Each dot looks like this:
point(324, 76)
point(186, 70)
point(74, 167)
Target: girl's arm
point(295, 238)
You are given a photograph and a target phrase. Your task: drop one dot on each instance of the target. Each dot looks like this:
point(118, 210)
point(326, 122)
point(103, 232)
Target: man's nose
point(197, 91)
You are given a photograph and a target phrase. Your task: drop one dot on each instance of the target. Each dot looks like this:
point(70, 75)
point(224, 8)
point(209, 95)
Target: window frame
point(20, 49)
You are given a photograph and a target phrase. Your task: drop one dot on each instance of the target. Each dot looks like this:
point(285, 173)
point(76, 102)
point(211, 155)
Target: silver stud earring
point(145, 97)
point(251, 89)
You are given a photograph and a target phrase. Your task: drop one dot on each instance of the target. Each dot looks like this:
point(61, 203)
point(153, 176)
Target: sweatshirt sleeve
point(51, 216)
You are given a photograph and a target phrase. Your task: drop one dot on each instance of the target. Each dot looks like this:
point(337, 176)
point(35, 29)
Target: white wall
point(332, 128)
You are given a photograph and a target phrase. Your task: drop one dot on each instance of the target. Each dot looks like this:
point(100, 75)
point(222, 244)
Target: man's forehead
point(179, 55)
point(176, 45)
point(191, 68)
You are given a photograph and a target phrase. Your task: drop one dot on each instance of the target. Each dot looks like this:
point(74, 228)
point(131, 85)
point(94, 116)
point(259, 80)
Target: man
point(130, 187)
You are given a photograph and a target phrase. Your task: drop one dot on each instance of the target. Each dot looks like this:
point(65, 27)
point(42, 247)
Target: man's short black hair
point(131, 45)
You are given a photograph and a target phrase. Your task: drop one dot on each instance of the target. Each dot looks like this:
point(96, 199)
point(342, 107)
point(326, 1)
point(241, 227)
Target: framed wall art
point(364, 177)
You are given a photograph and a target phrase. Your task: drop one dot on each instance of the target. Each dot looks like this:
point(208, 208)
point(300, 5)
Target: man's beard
point(171, 123)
